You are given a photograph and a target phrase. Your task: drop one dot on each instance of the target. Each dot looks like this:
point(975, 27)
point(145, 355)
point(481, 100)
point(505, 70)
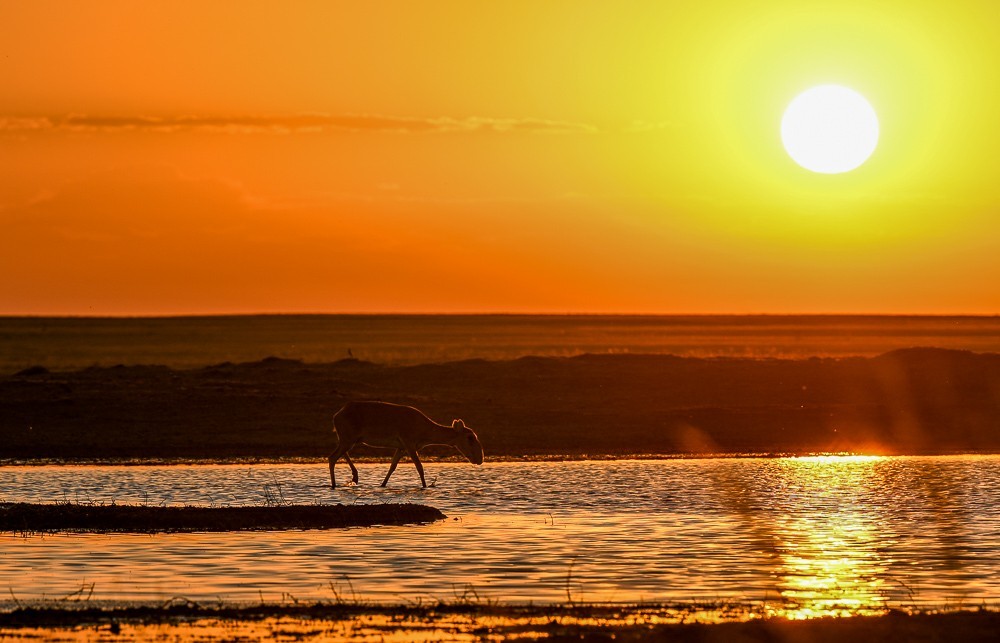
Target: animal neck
point(444, 434)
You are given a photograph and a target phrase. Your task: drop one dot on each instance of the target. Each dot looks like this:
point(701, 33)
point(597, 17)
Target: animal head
point(468, 442)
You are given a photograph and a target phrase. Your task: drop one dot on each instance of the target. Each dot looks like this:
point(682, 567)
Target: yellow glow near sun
point(829, 129)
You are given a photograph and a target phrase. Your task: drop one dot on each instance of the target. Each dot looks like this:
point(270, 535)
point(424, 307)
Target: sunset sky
point(458, 156)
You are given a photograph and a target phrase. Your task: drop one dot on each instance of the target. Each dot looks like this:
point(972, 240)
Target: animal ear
point(457, 424)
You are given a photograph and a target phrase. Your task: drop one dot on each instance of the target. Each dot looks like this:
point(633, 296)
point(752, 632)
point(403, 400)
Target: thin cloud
point(287, 124)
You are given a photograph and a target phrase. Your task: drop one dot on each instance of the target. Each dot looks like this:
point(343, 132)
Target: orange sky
point(225, 157)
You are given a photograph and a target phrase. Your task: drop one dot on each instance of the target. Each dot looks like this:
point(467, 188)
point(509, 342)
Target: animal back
point(379, 423)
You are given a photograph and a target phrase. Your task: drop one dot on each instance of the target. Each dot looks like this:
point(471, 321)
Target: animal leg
point(333, 461)
point(341, 452)
point(354, 469)
point(420, 467)
point(392, 467)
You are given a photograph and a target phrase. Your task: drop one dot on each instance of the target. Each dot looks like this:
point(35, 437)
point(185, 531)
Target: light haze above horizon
point(519, 157)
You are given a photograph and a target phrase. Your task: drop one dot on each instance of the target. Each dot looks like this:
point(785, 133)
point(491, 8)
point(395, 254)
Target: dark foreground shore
point(30, 518)
point(906, 401)
point(182, 620)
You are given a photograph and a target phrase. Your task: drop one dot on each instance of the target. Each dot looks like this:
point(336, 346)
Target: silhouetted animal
point(404, 428)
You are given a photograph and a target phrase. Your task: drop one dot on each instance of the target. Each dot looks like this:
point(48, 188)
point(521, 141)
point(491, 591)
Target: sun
point(829, 129)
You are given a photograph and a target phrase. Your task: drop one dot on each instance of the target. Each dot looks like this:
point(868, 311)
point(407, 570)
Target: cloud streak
point(286, 124)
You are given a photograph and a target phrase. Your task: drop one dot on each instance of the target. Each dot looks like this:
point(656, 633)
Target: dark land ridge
point(921, 400)
point(577, 622)
point(30, 518)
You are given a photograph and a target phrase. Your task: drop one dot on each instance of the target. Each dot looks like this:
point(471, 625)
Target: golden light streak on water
point(830, 560)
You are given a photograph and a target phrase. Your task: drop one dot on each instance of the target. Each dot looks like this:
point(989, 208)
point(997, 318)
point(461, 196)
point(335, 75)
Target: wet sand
point(184, 621)
point(34, 518)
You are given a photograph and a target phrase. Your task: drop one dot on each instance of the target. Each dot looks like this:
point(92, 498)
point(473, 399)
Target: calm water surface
point(811, 535)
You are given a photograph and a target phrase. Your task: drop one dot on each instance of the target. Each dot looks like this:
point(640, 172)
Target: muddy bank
point(907, 401)
point(183, 620)
point(32, 518)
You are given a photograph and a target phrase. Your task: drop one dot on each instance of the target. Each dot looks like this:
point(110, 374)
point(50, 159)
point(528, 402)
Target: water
point(810, 536)
point(187, 342)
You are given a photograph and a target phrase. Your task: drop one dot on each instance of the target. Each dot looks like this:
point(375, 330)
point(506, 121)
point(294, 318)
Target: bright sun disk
point(829, 129)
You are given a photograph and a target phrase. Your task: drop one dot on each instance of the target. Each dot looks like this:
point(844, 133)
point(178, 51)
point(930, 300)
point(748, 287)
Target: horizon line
point(481, 314)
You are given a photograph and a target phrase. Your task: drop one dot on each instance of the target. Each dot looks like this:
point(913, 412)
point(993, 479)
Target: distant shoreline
point(570, 315)
point(72, 343)
point(498, 459)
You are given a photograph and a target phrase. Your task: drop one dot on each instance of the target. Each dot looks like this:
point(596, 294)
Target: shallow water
point(807, 535)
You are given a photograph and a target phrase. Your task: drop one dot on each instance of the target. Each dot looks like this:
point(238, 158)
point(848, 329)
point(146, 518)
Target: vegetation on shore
point(31, 518)
point(443, 621)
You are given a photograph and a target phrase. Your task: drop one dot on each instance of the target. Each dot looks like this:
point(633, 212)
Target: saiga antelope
point(404, 428)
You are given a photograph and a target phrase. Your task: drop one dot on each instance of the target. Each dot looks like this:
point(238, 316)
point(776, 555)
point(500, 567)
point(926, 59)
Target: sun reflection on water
point(828, 540)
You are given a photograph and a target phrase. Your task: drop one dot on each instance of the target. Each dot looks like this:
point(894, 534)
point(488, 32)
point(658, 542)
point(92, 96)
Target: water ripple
point(814, 535)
